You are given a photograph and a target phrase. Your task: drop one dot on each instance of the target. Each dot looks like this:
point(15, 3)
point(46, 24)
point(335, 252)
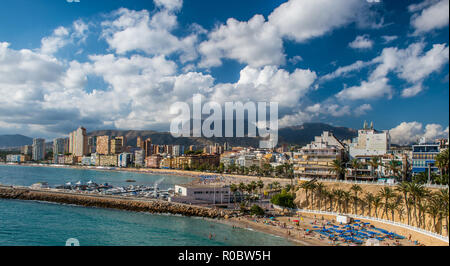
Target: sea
point(33, 223)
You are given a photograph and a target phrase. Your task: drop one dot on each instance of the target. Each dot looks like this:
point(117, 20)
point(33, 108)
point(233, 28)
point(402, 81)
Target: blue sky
point(121, 64)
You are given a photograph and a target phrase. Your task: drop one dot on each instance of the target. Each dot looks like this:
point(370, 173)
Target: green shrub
point(256, 210)
point(283, 199)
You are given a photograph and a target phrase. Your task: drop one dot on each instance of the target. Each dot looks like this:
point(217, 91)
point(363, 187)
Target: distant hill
point(8, 141)
point(298, 135)
point(304, 134)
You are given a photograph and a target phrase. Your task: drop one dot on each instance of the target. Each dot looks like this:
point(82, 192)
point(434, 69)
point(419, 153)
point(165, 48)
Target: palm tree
point(400, 210)
point(338, 168)
point(260, 185)
point(242, 187)
point(347, 196)
point(422, 194)
point(338, 195)
point(312, 187)
point(288, 171)
point(442, 161)
point(376, 204)
point(386, 193)
point(305, 187)
point(444, 198)
point(276, 185)
point(403, 188)
point(355, 164)
point(394, 167)
point(369, 199)
point(433, 208)
point(391, 206)
point(414, 190)
point(330, 196)
point(374, 163)
point(320, 188)
point(356, 189)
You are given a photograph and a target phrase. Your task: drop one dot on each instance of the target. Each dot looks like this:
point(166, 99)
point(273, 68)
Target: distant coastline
point(152, 171)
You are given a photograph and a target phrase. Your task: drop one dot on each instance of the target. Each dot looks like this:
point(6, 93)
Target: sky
point(121, 64)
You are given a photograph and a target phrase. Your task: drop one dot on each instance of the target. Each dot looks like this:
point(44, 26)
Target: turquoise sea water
point(42, 223)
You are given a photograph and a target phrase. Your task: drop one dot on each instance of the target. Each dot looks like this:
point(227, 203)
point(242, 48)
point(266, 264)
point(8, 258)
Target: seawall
point(138, 205)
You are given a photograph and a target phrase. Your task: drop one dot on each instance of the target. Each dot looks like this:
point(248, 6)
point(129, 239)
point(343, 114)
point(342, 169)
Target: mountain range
point(294, 135)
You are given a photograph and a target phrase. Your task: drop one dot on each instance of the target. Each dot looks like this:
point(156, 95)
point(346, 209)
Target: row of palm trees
point(247, 191)
point(393, 167)
point(409, 202)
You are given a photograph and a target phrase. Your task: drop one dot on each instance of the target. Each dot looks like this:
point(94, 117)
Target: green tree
point(256, 210)
point(442, 162)
point(369, 197)
point(403, 188)
point(386, 193)
point(338, 167)
point(355, 189)
point(283, 199)
point(374, 163)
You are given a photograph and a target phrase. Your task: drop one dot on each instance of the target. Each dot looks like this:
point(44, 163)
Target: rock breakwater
point(151, 206)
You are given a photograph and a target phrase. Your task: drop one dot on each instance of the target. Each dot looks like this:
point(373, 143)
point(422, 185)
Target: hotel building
point(370, 142)
point(424, 157)
point(315, 159)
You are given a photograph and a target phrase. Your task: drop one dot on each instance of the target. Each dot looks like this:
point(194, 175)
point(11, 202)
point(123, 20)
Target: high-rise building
point(103, 145)
point(177, 150)
point(148, 149)
point(78, 142)
point(59, 146)
point(123, 143)
point(139, 157)
point(38, 149)
point(140, 142)
point(92, 144)
point(116, 145)
point(27, 150)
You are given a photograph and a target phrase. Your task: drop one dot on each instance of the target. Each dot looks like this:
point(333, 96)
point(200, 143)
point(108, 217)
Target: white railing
point(368, 182)
point(412, 228)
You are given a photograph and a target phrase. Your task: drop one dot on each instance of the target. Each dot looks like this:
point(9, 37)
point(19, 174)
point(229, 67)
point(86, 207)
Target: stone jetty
point(112, 202)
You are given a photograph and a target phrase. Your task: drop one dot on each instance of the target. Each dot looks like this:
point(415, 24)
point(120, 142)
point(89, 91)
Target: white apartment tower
point(38, 149)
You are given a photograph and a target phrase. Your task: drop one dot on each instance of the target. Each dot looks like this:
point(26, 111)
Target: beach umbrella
point(295, 221)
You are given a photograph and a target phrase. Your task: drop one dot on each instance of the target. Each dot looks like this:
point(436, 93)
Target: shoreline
point(155, 207)
point(295, 234)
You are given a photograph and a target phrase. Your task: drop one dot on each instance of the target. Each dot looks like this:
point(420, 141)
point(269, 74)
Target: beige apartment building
point(78, 142)
point(103, 145)
point(315, 159)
